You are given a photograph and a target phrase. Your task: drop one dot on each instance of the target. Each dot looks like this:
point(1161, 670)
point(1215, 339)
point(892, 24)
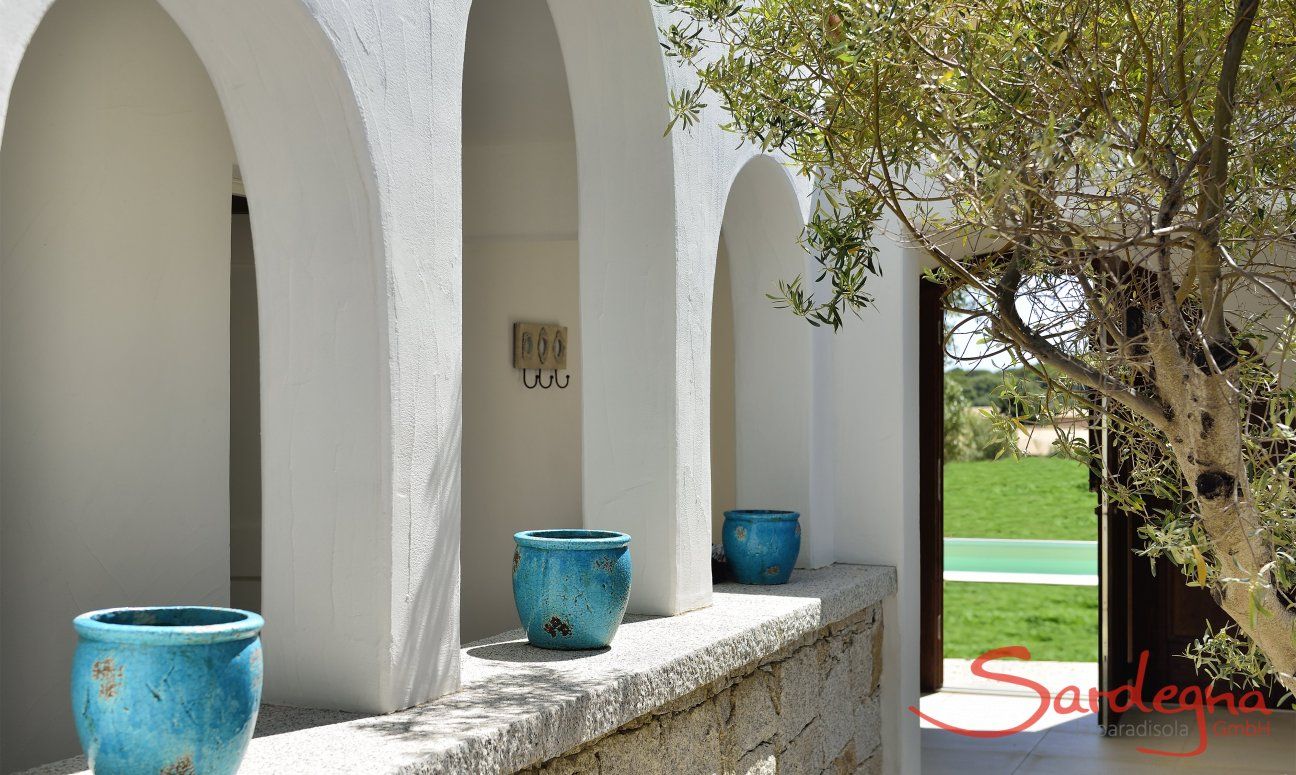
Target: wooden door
point(1140, 610)
point(931, 510)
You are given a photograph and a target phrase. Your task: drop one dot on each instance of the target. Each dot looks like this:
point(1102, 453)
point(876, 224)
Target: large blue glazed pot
point(571, 586)
point(166, 691)
point(761, 545)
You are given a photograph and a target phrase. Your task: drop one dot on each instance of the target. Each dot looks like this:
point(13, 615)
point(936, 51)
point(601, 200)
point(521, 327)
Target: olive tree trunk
point(1205, 421)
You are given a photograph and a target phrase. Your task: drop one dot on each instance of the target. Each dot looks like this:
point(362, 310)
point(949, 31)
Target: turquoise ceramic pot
point(171, 690)
point(761, 545)
point(571, 586)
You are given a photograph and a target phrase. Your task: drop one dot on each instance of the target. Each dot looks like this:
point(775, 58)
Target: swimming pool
point(1020, 560)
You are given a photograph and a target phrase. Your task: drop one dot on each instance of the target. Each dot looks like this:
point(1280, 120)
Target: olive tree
point(1109, 183)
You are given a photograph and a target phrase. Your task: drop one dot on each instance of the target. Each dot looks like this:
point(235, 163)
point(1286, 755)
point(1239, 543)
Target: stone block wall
point(811, 708)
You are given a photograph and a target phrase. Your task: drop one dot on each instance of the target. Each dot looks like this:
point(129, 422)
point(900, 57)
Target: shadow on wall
point(437, 592)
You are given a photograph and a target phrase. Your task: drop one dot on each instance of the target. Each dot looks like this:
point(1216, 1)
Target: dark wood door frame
point(1116, 570)
point(931, 509)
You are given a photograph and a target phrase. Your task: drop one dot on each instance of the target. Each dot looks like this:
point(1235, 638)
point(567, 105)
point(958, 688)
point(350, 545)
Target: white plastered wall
point(874, 382)
point(633, 480)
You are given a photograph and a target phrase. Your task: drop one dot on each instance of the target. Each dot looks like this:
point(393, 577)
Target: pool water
point(1007, 555)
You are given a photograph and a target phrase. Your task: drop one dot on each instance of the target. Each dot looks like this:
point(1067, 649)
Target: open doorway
point(245, 410)
point(1010, 540)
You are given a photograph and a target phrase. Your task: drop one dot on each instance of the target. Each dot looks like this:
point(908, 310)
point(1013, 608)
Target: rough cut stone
point(868, 719)
point(872, 765)
point(839, 709)
point(798, 682)
point(691, 741)
point(752, 719)
point(761, 761)
point(636, 751)
point(860, 655)
point(805, 753)
point(811, 707)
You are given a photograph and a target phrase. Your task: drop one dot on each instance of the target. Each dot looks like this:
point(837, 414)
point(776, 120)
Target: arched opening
point(160, 390)
point(761, 357)
point(116, 346)
point(521, 446)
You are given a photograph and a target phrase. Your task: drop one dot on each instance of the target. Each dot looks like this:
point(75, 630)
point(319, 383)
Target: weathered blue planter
point(571, 586)
point(166, 691)
point(761, 545)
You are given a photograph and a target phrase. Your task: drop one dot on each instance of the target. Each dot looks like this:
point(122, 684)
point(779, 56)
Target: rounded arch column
point(630, 245)
point(359, 393)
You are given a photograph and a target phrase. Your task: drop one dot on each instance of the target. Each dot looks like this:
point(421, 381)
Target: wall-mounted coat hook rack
point(543, 347)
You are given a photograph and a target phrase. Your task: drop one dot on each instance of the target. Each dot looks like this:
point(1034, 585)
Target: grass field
point(1030, 498)
point(1036, 497)
point(1054, 622)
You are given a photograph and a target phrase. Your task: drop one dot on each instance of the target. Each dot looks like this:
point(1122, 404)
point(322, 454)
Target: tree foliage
point(1110, 185)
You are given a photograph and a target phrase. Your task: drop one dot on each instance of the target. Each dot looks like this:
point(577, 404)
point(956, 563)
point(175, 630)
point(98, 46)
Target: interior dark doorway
point(245, 414)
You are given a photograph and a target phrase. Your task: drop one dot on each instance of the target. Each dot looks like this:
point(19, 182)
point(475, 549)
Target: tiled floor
point(1072, 744)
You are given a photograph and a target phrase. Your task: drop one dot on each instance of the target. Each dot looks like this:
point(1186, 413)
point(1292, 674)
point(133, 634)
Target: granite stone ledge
point(519, 705)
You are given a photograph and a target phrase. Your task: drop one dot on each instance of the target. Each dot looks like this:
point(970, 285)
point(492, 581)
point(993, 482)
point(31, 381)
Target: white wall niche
point(521, 264)
point(763, 364)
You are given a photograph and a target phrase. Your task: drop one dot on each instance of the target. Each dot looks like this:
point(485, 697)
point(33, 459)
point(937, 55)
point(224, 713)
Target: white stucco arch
point(323, 310)
point(775, 402)
point(650, 208)
point(358, 394)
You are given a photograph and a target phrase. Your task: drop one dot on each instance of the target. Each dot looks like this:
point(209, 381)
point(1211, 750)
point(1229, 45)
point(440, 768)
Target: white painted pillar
point(634, 480)
point(346, 124)
point(875, 374)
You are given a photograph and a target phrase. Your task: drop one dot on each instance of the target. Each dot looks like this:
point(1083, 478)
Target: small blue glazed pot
point(761, 545)
point(571, 587)
point(169, 691)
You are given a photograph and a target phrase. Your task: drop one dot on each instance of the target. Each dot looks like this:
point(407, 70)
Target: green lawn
point(1036, 497)
point(1056, 623)
point(1030, 498)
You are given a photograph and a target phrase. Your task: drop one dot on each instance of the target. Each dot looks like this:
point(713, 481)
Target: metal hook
point(540, 383)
